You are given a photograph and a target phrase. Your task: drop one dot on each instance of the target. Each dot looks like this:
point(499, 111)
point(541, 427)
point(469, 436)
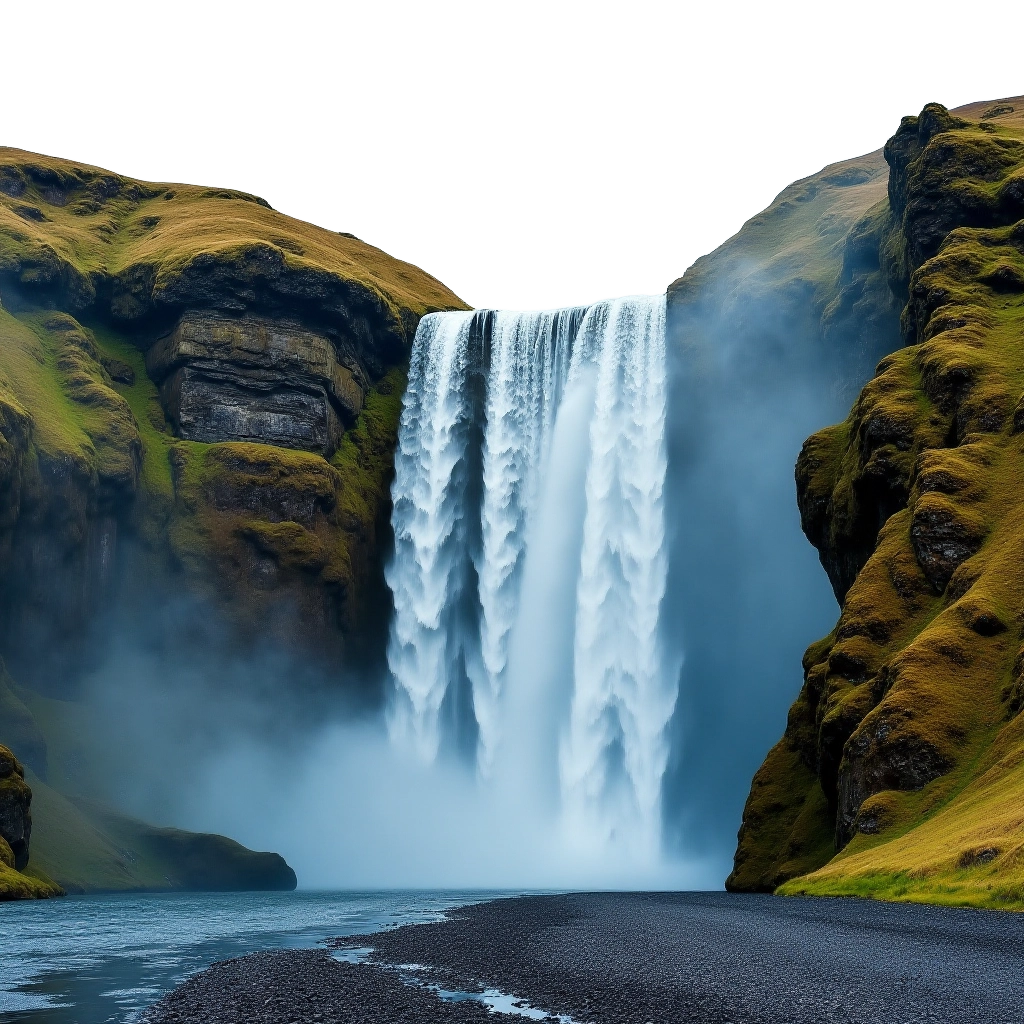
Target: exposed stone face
point(882, 755)
point(15, 801)
point(943, 539)
point(256, 380)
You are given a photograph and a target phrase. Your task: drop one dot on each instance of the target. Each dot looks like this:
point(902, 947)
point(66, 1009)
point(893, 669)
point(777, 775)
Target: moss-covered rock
point(166, 352)
point(907, 724)
point(199, 401)
point(16, 834)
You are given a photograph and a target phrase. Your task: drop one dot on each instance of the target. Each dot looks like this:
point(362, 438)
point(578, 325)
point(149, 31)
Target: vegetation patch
point(909, 718)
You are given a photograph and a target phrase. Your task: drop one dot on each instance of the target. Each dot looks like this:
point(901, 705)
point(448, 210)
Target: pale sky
point(529, 154)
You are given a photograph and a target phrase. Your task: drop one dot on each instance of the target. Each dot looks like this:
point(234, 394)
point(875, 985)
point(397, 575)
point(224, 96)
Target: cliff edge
point(199, 402)
point(900, 772)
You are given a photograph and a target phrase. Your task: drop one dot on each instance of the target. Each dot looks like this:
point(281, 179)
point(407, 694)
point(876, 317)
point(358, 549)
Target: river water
point(104, 958)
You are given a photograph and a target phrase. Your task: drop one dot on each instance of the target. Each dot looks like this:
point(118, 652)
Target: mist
point(186, 724)
point(753, 375)
point(255, 745)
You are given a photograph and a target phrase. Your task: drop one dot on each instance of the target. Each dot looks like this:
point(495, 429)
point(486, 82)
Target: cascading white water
point(530, 358)
point(470, 486)
point(615, 752)
point(428, 572)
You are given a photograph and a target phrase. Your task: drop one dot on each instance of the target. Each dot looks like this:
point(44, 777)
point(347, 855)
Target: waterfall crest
point(491, 398)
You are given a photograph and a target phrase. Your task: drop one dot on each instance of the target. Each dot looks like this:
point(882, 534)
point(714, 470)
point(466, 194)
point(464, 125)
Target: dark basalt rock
point(255, 380)
point(881, 756)
point(942, 540)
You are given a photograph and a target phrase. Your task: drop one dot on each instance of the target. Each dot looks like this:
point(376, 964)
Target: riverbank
point(107, 957)
point(620, 958)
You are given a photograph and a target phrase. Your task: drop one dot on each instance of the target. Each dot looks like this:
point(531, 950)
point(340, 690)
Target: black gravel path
point(633, 958)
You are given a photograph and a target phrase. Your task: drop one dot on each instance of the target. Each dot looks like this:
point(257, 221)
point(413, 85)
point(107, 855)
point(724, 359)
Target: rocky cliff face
point(256, 380)
point(15, 815)
point(16, 834)
point(146, 328)
point(199, 400)
point(901, 759)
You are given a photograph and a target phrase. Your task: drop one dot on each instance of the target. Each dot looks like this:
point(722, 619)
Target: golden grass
point(910, 710)
point(99, 222)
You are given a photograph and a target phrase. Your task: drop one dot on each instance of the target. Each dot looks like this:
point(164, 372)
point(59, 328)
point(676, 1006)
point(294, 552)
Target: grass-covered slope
point(90, 239)
point(93, 268)
point(85, 847)
point(802, 278)
point(108, 511)
point(80, 845)
point(900, 771)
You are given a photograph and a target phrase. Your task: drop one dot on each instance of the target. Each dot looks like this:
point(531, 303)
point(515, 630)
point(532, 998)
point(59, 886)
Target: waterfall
point(494, 400)
point(428, 574)
point(529, 364)
point(615, 752)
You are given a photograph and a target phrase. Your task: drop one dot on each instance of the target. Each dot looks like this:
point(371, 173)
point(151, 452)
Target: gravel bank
point(611, 958)
point(303, 985)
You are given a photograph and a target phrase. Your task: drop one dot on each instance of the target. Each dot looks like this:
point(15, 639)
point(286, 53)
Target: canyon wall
point(899, 773)
point(199, 400)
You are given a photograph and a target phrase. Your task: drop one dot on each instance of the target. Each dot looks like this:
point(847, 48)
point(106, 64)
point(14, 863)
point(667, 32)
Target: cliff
point(899, 774)
point(770, 338)
point(217, 383)
point(199, 399)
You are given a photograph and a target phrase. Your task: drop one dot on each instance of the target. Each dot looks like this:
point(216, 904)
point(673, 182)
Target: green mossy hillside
point(104, 511)
point(98, 244)
point(86, 847)
point(905, 741)
point(93, 267)
point(78, 845)
point(16, 885)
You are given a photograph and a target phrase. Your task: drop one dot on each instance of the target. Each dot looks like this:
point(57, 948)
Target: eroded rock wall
point(913, 504)
point(251, 379)
point(198, 397)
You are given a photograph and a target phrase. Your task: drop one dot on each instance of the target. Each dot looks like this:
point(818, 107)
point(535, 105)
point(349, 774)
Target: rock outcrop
point(15, 809)
point(256, 380)
point(905, 744)
point(16, 834)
